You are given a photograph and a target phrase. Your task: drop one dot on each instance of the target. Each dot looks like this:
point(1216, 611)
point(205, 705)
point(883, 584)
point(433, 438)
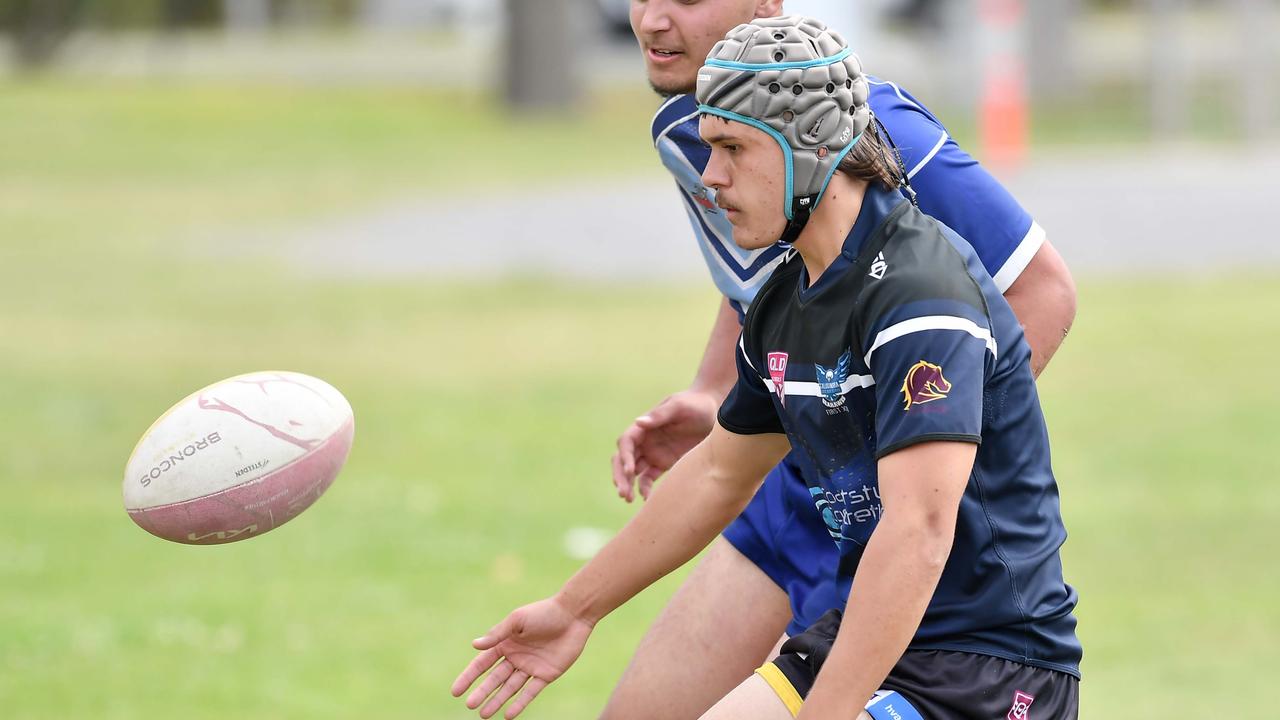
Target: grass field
point(486, 415)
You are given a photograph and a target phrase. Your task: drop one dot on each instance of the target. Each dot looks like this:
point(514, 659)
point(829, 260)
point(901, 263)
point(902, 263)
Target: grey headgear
point(799, 82)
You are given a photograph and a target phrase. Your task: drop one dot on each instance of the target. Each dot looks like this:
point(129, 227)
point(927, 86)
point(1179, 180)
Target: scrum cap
point(799, 82)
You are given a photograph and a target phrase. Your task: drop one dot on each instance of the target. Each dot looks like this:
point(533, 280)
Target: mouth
point(661, 56)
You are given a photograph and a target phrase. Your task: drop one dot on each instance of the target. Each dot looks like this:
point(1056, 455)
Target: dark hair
point(873, 160)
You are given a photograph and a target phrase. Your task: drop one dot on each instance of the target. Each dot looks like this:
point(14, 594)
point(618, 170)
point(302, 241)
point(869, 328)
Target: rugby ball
point(239, 458)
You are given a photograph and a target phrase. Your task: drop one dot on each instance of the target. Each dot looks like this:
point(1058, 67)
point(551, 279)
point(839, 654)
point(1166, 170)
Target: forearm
point(1044, 300)
point(717, 371)
point(896, 578)
point(695, 502)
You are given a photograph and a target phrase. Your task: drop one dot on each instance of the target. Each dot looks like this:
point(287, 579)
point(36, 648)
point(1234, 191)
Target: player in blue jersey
point(758, 577)
point(882, 355)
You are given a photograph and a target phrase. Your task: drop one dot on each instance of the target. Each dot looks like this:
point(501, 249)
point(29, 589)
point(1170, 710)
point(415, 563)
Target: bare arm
point(537, 643)
point(717, 371)
point(655, 440)
point(920, 487)
point(706, 489)
point(1044, 300)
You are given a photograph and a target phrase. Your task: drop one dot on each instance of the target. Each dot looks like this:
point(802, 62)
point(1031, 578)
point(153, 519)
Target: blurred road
point(1186, 210)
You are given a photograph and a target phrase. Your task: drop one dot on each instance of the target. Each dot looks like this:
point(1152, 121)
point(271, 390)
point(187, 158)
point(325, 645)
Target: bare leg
point(718, 628)
point(754, 700)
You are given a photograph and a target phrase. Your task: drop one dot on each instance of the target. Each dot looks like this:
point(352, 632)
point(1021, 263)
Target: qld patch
point(924, 383)
point(778, 373)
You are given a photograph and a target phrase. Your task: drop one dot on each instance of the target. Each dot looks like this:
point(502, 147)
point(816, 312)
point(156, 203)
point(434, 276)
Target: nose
point(716, 174)
point(649, 17)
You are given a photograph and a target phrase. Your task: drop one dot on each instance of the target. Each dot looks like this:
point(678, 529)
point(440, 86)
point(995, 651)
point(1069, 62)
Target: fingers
point(646, 485)
point(645, 474)
point(475, 669)
point(621, 481)
point(496, 634)
point(507, 681)
point(627, 442)
point(500, 675)
point(531, 690)
point(513, 683)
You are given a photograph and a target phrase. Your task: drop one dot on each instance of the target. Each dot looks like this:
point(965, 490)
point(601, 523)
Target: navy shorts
point(782, 532)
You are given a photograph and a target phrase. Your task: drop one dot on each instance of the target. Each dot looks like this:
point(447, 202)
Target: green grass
point(469, 464)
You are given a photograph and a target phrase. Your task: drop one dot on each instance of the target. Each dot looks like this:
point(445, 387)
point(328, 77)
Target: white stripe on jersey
point(798, 387)
point(897, 91)
point(813, 389)
point(941, 141)
point(1020, 258)
point(667, 102)
point(679, 121)
point(742, 348)
point(920, 165)
point(930, 322)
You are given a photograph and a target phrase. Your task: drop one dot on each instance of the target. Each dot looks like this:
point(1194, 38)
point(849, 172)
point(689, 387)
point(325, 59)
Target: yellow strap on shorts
point(782, 686)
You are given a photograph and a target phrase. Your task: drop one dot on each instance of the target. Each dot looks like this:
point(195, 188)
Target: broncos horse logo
point(924, 383)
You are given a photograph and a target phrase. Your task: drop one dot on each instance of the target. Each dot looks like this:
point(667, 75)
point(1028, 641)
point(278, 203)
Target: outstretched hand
point(657, 439)
point(529, 649)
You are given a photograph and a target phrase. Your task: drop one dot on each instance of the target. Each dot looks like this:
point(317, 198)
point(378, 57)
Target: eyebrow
point(719, 138)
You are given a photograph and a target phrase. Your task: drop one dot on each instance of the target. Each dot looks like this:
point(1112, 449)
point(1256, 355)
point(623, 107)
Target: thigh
point(759, 699)
point(753, 699)
point(718, 627)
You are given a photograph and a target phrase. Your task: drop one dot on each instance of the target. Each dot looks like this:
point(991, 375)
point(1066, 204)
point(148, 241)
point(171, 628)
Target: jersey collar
point(877, 204)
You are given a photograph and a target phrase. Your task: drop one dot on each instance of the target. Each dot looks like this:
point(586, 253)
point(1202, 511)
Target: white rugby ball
point(238, 458)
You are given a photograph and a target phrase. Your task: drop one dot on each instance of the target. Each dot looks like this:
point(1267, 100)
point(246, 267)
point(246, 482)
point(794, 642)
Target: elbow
point(935, 548)
point(930, 536)
point(1064, 289)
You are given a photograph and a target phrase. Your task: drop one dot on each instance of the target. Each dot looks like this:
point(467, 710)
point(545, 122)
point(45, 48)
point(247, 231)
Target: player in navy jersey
point(759, 576)
point(881, 353)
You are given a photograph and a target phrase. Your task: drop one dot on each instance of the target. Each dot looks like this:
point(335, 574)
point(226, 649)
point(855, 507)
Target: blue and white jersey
point(950, 184)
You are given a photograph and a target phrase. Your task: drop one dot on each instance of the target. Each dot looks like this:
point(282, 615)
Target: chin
point(666, 85)
point(749, 240)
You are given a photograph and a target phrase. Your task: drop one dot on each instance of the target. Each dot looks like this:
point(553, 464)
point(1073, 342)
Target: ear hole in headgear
point(779, 56)
point(796, 89)
point(788, 116)
point(774, 88)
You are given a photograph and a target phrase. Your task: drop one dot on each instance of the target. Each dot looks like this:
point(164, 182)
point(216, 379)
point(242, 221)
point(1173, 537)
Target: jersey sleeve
point(954, 188)
point(926, 337)
point(749, 409)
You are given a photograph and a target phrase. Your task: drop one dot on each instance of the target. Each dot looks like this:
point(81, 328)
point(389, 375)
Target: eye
point(731, 148)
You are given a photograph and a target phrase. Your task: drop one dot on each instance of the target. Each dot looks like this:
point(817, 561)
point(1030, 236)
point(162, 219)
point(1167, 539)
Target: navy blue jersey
point(905, 339)
point(950, 184)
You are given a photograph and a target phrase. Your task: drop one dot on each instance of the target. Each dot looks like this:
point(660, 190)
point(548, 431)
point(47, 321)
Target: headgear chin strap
point(801, 209)
point(798, 82)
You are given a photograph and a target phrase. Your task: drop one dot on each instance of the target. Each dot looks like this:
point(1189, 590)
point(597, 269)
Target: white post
point(1169, 70)
point(247, 17)
point(1256, 25)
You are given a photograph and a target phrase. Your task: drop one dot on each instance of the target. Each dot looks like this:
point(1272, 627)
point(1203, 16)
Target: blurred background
point(452, 211)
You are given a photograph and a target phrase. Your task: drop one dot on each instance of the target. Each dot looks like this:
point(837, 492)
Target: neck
point(823, 237)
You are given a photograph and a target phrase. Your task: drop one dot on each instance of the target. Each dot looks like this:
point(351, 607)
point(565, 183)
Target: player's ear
point(768, 8)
